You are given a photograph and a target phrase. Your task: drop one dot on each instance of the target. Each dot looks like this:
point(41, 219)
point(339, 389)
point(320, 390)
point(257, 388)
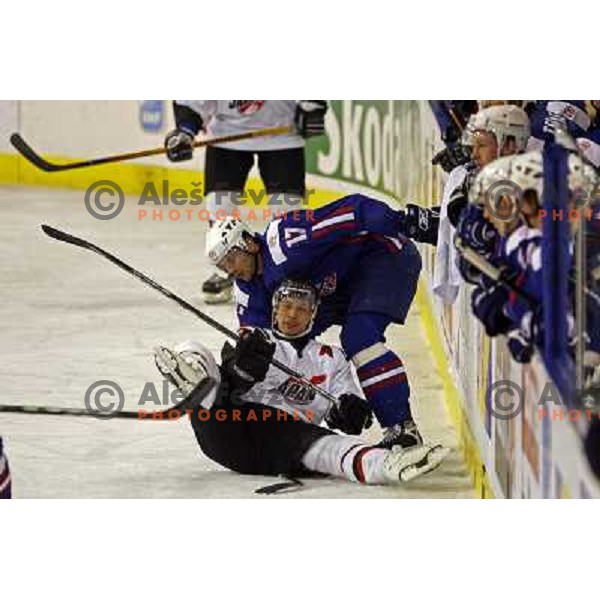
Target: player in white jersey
point(280, 158)
point(262, 421)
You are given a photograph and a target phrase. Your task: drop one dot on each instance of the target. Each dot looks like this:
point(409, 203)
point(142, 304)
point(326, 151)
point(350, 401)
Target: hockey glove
point(421, 224)
point(476, 232)
point(520, 347)
point(452, 156)
point(488, 306)
point(248, 363)
point(179, 145)
point(310, 117)
point(351, 415)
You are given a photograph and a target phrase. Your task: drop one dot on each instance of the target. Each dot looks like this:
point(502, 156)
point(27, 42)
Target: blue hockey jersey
point(324, 247)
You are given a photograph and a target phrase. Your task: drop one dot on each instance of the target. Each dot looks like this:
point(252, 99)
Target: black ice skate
point(218, 289)
point(405, 435)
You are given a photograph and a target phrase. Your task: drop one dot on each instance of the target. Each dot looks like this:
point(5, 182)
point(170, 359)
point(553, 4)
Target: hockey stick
point(62, 236)
point(487, 268)
point(33, 157)
point(191, 401)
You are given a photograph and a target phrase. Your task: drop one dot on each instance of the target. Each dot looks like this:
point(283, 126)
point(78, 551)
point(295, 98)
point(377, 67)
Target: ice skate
point(405, 464)
point(405, 435)
point(184, 370)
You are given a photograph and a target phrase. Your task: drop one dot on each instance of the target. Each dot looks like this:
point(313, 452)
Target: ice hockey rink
point(70, 318)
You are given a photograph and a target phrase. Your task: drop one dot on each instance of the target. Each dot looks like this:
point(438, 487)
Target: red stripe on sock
point(357, 466)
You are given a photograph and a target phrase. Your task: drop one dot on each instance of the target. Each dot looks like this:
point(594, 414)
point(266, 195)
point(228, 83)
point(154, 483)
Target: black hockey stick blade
point(190, 402)
point(62, 236)
point(25, 150)
point(290, 484)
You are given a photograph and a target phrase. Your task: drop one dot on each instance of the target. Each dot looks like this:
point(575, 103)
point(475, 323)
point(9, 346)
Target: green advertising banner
point(385, 145)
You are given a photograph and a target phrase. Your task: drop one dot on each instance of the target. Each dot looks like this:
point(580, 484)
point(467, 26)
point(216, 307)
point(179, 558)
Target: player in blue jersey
point(356, 252)
point(517, 249)
point(5, 484)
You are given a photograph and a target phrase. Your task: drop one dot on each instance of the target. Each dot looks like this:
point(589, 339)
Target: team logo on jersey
point(296, 392)
point(329, 284)
point(247, 107)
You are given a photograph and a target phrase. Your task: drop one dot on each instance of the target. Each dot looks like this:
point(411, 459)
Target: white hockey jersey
point(324, 365)
point(230, 117)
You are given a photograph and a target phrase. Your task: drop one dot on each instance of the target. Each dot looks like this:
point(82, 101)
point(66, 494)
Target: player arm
point(248, 363)
point(352, 414)
point(358, 214)
point(187, 118)
point(190, 117)
point(342, 380)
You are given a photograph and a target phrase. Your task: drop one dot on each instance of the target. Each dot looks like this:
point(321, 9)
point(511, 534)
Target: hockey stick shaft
point(491, 271)
point(496, 274)
point(33, 157)
point(188, 403)
point(71, 239)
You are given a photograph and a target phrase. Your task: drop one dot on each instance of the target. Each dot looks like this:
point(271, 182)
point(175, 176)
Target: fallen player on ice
point(260, 421)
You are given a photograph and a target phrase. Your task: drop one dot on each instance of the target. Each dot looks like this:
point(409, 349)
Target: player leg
point(349, 458)
point(284, 173)
point(256, 439)
point(218, 424)
point(382, 292)
point(225, 175)
point(259, 440)
point(5, 481)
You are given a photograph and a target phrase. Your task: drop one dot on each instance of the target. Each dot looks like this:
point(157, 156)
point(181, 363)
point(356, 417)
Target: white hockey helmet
point(490, 178)
point(520, 173)
point(503, 121)
point(225, 235)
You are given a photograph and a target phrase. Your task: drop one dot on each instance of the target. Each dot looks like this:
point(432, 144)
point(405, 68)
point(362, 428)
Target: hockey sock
point(380, 371)
point(348, 458)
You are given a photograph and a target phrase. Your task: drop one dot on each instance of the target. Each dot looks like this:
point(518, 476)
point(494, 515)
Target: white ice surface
point(70, 318)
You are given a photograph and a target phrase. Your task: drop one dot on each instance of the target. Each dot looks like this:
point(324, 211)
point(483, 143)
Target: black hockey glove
point(310, 117)
point(179, 145)
point(351, 416)
point(520, 346)
point(451, 156)
point(421, 224)
point(248, 363)
point(488, 306)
